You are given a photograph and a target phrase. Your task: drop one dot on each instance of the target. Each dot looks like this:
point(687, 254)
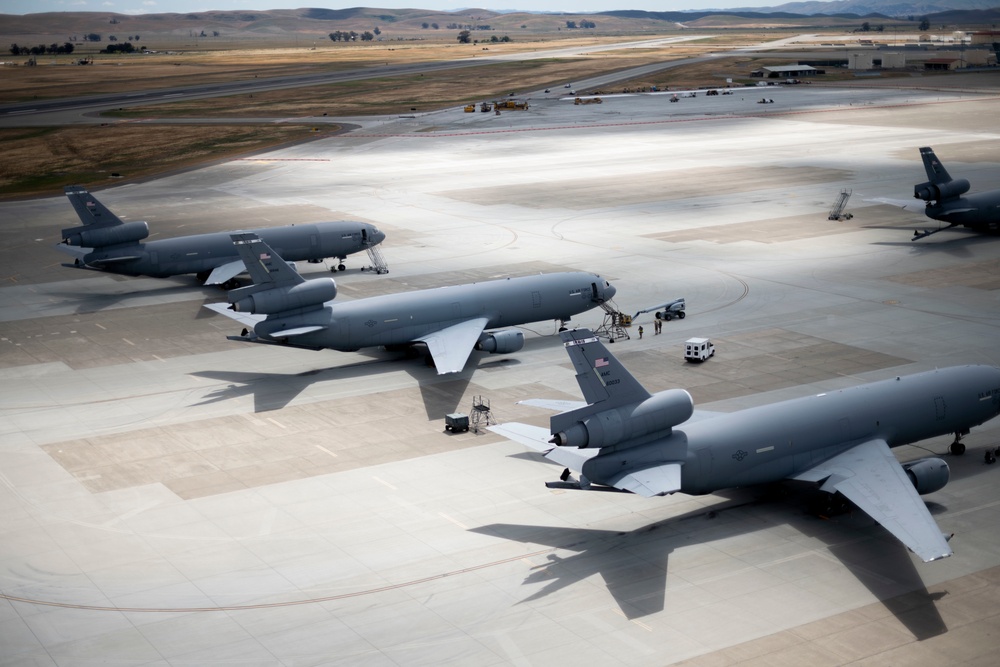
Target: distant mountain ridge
point(884, 7)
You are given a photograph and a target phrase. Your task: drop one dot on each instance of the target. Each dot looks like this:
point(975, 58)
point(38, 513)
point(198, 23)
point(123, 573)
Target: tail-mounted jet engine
point(939, 191)
point(82, 237)
point(501, 342)
point(281, 299)
point(658, 413)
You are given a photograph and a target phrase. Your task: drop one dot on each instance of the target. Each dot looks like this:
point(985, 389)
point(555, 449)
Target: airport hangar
point(171, 497)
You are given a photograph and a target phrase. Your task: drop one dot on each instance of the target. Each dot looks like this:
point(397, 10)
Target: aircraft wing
point(870, 476)
point(450, 347)
point(221, 274)
point(249, 320)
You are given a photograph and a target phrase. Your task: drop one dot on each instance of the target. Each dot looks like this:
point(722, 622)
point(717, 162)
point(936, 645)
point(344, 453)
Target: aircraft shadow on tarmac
point(634, 564)
point(97, 301)
point(441, 394)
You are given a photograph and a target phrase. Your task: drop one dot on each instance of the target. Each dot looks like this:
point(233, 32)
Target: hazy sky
point(184, 6)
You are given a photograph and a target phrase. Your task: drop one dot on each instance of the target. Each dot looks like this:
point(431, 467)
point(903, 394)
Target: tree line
point(41, 49)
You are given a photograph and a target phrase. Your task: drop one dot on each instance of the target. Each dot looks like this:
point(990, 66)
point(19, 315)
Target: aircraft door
point(593, 292)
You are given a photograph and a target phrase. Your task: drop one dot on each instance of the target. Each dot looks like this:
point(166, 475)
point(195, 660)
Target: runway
point(171, 497)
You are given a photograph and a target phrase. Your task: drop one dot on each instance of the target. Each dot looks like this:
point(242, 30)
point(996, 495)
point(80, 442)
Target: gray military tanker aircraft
point(283, 308)
point(106, 243)
point(947, 201)
point(653, 445)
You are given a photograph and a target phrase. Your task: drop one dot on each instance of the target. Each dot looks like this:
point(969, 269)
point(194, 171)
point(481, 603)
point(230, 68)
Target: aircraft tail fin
point(89, 209)
point(602, 378)
point(940, 186)
point(936, 173)
point(101, 228)
point(266, 267)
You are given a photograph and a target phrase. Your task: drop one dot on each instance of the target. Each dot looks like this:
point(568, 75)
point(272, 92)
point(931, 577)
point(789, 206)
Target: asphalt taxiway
point(170, 497)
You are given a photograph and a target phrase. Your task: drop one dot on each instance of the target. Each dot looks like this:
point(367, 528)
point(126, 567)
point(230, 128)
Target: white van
point(698, 349)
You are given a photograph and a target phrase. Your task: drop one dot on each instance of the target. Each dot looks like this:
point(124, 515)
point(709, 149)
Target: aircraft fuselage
point(203, 252)
point(398, 319)
point(777, 441)
point(979, 211)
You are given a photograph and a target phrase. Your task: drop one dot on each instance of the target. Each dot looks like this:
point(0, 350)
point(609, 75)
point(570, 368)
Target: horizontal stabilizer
point(532, 437)
point(553, 404)
point(915, 206)
point(537, 438)
point(298, 331)
point(72, 251)
point(658, 480)
point(114, 260)
point(249, 320)
point(228, 271)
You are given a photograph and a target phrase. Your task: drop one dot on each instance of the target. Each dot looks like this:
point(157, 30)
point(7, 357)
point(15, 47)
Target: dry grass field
point(41, 160)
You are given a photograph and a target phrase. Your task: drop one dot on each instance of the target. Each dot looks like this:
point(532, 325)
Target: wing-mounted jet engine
point(501, 342)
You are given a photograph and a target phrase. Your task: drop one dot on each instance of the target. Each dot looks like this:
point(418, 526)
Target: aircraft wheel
point(957, 448)
point(681, 315)
point(990, 457)
point(341, 267)
point(333, 269)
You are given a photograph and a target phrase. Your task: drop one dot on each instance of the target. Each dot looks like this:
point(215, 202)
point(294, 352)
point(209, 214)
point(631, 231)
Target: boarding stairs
point(481, 416)
point(615, 321)
point(837, 212)
point(378, 261)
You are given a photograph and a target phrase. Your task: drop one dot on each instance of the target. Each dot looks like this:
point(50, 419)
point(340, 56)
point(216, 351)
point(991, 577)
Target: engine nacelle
point(130, 232)
point(660, 412)
point(928, 475)
point(501, 342)
point(938, 191)
point(281, 299)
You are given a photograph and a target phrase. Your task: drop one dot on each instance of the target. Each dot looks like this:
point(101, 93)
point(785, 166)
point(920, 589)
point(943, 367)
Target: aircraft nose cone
point(609, 291)
point(377, 236)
